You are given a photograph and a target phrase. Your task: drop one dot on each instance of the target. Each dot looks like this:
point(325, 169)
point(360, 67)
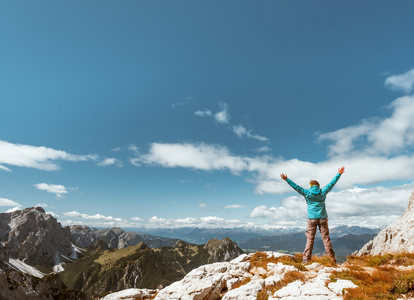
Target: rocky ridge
point(395, 238)
point(237, 279)
point(35, 237)
point(101, 270)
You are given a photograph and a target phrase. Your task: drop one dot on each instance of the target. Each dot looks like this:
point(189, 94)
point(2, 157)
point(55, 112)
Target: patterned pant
point(322, 224)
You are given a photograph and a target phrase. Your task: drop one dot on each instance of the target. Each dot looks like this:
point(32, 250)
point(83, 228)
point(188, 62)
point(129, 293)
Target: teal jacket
point(315, 197)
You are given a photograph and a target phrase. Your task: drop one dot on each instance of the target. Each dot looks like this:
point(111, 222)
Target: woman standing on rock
point(317, 215)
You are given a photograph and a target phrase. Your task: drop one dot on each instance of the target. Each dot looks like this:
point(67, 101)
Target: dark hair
point(314, 182)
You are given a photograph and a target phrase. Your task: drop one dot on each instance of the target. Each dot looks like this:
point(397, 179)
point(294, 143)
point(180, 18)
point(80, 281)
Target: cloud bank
point(369, 207)
point(388, 136)
point(41, 158)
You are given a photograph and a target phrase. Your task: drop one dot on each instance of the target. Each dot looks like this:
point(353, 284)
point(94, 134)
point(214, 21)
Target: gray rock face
point(222, 250)
point(82, 235)
point(397, 237)
point(34, 236)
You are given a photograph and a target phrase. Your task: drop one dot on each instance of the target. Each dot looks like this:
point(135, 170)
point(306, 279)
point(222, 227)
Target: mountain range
point(41, 258)
point(101, 270)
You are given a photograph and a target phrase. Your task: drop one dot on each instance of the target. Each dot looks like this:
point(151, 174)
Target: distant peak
point(141, 246)
point(180, 244)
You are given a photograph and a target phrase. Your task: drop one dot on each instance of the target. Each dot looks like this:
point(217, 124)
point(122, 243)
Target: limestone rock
point(205, 282)
point(249, 291)
point(312, 289)
point(396, 237)
point(131, 294)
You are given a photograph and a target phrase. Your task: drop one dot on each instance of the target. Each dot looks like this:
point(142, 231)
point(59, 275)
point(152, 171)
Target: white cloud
point(223, 116)
point(41, 158)
point(403, 82)
point(5, 168)
point(291, 212)
point(52, 214)
point(137, 219)
point(42, 205)
point(234, 206)
point(240, 131)
point(265, 170)
point(57, 189)
point(388, 136)
point(205, 222)
point(75, 214)
point(343, 139)
point(109, 162)
point(202, 205)
point(13, 209)
point(203, 113)
point(8, 202)
point(370, 207)
point(200, 156)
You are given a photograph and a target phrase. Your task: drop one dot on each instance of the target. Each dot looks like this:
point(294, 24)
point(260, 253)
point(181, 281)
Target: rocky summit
point(35, 237)
point(240, 279)
point(395, 238)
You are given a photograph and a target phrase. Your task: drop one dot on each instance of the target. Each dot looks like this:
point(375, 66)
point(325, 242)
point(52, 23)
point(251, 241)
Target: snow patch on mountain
point(21, 266)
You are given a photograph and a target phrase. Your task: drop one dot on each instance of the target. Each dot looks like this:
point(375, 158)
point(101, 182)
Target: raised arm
point(296, 187)
point(330, 185)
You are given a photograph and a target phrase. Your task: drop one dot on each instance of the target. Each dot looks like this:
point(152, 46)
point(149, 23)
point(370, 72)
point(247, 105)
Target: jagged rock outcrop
point(83, 236)
point(17, 285)
point(237, 279)
point(100, 271)
point(396, 237)
point(35, 237)
point(222, 250)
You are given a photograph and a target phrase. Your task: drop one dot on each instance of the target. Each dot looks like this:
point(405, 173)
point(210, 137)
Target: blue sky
point(184, 113)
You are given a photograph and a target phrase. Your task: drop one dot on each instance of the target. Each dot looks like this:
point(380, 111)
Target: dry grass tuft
point(377, 277)
point(400, 259)
point(260, 259)
point(324, 261)
point(242, 282)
